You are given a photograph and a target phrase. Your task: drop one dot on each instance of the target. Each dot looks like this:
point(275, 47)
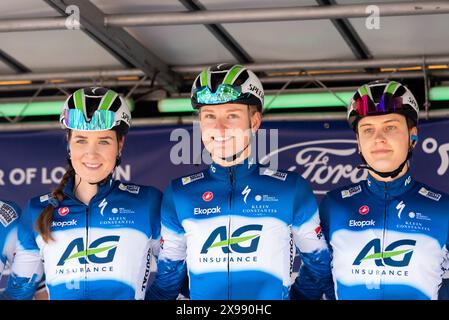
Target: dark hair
point(45, 218)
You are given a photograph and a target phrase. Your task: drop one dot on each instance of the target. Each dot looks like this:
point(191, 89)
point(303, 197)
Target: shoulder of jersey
point(279, 175)
point(43, 200)
point(426, 192)
point(8, 213)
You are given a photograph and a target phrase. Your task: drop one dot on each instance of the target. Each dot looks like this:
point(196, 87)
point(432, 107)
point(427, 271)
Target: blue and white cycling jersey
point(235, 230)
point(388, 240)
point(9, 216)
point(100, 251)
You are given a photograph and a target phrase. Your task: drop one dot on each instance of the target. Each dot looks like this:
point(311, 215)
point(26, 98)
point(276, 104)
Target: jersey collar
point(240, 170)
point(390, 189)
point(103, 189)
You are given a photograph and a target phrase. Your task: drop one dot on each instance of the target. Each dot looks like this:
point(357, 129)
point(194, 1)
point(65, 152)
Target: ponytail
point(45, 218)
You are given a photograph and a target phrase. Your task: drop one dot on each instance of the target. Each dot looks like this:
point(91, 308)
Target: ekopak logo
point(373, 251)
point(238, 242)
point(77, 250)
point(324, 163)
point(208, 196)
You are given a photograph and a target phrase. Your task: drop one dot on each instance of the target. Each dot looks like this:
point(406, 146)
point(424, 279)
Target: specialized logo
point(238, 242)
point(206, 211)
point(63, 211)
point(364, 210)
point(256, 90)
point(246, 192)
point(373, 251)
point(63, 224)
point(208, 196)
point(357, 223)
point(102, 205)
point(400, 207)
point(106, 247)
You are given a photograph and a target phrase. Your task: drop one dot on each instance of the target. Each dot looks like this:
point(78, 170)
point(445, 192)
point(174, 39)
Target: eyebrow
point(234, 110)
point(386, 121)
point(227, 111)
point(85, 137)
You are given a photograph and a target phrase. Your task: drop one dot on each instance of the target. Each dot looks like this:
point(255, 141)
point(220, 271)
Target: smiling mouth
point(92, 166)
point(221, 139)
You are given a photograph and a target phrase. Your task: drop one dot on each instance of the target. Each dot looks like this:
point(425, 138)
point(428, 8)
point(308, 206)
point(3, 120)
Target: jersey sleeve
point(27, 268)
point(171, 266)
point(10, 213)
point(315, 277)
point(155, 220)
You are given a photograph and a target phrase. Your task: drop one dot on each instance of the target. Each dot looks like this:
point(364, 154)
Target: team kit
point(232, 231)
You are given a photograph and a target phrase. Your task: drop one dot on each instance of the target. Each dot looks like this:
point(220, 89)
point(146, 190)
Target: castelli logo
point(363, 210)
point(63, 211)
point(208, 196)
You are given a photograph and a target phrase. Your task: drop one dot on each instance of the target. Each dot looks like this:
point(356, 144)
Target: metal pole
point(80, 84)
point(357, 76)
point(93, 74)
point(239, 16)
point(329, 64)
point(279, 14)
point(296, 79)
point(274, 66)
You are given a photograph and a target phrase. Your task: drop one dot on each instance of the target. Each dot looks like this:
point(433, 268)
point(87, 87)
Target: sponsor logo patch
point(63, 211)
point(193, 177)
point(130, 188)
point(356, 223)
point(351, 191)
point(63, 224)
point(429, 194)
point(274, 174)
point(208, 196)
point(7, 214)
point(364, 210)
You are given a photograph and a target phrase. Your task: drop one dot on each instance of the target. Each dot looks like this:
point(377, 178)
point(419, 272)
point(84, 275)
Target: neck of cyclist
point(83, 190)
point(237, 158)
point(389, 179)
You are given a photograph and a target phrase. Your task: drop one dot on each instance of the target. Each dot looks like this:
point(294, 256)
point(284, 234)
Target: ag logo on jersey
point(98, 252)
point(373, 251)
point(238, 242)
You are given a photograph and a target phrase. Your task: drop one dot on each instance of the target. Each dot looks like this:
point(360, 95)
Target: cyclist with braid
point(93, 234)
